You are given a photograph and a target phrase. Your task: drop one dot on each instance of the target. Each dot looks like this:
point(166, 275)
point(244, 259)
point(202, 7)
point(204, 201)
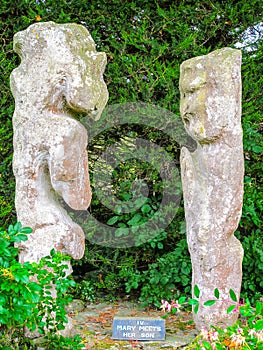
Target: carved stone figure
point(60, 75)
point(212, 178)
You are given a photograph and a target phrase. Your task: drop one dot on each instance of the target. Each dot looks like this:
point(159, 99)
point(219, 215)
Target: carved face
point(209, 96)
point(192, 106)
point(67, 68)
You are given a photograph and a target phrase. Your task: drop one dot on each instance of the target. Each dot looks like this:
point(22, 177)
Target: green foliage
point(161, 279)
point(145, 43)
point(246, 333)
point(55, 341)
point(84, 290)
point(26, 298)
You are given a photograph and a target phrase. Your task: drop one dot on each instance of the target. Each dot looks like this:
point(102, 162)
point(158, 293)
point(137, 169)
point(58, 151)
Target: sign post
point(137, 328)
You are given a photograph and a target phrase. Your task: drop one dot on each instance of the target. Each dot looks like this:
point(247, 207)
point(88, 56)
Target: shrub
point(25, 298)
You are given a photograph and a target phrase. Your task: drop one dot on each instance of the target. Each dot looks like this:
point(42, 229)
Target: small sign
point(136, 328)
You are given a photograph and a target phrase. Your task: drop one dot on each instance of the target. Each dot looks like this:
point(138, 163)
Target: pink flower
point(176, 305)
point(238, 339)
point(165, 306)
point(258, 334)
point(211, 335)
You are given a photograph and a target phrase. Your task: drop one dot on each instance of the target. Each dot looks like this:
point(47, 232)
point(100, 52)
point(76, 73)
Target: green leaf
point(209, 302)
point(10, 228)
point(134, 220)
point(230, 309)
point(160, 245)
point(122, 231)
point(259, 325)
point(193, 302)
point(207, 345)
point(18, 226)
point(182, 300)
point(259, 308)
point(196, 308)
point(19, 238)
point(233, 295)
point(196, 291)
point(146, 208)
point(257, 148)
point(118, 210)
point(26, 230)
point(216, 293)
point(113, 220)
point(21, 277)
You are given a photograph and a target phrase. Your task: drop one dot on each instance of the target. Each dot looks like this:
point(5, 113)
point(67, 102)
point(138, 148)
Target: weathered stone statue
point(212, 178)
point(60, 75)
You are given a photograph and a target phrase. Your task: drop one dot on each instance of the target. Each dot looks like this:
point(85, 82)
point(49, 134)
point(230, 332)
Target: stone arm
point(68, 166)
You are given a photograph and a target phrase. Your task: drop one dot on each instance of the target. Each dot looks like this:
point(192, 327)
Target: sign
point(137, 328)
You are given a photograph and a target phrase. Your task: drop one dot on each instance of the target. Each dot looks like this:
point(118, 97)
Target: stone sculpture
point(212, 178)
point(60, 75)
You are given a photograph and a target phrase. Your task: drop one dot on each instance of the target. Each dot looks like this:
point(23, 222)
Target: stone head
point(60, 60)
point(208, 86)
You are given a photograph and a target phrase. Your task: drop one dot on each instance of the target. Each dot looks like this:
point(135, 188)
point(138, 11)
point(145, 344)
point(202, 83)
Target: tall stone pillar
point(60, 75)
point(212, 178)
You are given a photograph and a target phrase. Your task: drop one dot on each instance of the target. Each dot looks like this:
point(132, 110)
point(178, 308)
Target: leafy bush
point(26, 298)
point(165, 278)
